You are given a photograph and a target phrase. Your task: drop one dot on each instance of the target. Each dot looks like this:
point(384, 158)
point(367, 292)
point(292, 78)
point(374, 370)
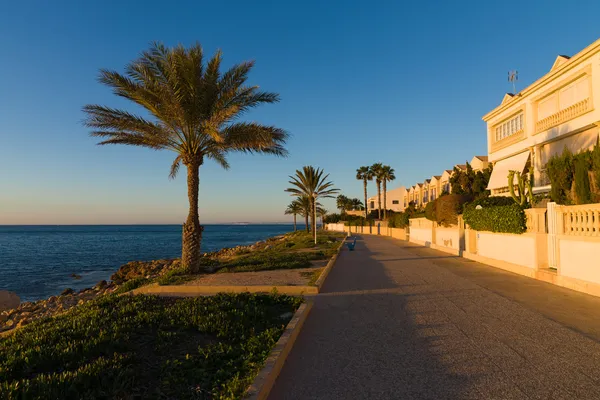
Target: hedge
point(500, 218)
point(398, 220)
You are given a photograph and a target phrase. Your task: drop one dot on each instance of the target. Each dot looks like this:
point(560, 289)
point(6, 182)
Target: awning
point(499, 178)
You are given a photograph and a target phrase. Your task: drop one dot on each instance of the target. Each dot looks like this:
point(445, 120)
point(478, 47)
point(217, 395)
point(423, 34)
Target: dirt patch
point(280, 277)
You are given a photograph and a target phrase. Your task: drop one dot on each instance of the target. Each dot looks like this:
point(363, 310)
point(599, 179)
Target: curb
point(264, 381)
point(192, 290)
point(329, 266)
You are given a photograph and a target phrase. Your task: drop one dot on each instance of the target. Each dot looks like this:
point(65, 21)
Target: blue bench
point(351, 244)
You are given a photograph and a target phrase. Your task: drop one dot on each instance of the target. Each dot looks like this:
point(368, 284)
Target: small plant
point(525, 194)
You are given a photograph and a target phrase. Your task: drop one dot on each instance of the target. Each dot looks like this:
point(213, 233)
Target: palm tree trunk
point(384, 199)
point(294, 222)
point(379, 199)
point(306, 221)
point(192, 231)
point(366, 208)
point(314, 218)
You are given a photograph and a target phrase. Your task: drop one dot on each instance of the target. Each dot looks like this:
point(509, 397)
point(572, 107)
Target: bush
point(430, 212)
point(332, 218)
point(492, 201)
point(449, 207)
point(497, 218)
point(582, 179)
point(560, 172)
point(398, 220)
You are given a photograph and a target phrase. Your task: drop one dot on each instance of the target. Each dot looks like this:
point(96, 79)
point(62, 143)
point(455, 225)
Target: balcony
point(563, 116)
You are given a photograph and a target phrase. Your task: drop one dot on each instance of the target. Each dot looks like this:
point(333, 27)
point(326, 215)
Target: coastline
point(40, 260)
point(30, 311)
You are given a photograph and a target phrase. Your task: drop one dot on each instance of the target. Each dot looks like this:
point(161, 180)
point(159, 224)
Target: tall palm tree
point(311, 183)
point(376, 170)
point(294, 208)
point(387, 175)
point(365, 174)
point(193, 109)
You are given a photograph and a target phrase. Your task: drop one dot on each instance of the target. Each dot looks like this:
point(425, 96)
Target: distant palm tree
point(294, 208)
point(322, 213)
point(364, 174)
point(342, 203)
point(377, 171)
point(356, 204)
point(311, 183)
point(387, 175)
point(193, 108)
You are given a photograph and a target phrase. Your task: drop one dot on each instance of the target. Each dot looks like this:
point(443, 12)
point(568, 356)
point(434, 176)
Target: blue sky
point(404, 84)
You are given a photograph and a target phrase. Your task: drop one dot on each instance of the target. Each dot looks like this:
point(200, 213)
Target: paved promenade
point(399, 321)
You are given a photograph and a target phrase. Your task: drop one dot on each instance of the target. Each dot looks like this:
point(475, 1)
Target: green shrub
point(430, 212)
point(449, 207)
point(582, 179)
point(496, 218)
point(125, 347)
point(332, 218)
point(596, 169)
point(560, 172)
point(398, 220)
point(492, 201)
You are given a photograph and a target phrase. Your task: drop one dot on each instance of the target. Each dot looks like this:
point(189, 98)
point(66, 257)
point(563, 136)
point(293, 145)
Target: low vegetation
point(575, 178)
point(123, 347)
point(293, 251)
point(496, 214)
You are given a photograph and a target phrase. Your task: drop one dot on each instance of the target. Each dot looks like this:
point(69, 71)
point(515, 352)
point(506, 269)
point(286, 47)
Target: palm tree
point(294, 208)
point(387, 175)
point(311, 183)
point(356, 204)
point(376, 170)
point(365, 174)
point(342, 203)
point(193, 109)
point(322, 213)
point(305, 206)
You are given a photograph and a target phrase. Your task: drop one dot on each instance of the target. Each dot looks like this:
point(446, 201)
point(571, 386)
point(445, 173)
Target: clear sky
point(403, 83)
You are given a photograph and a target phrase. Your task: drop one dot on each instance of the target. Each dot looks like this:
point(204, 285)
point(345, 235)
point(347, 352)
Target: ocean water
point(36, 261)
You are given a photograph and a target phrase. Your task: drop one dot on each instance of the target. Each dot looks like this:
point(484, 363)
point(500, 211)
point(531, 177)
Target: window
point(372, 204)
point(569, 95)
point(395, 202)
point(509, 127)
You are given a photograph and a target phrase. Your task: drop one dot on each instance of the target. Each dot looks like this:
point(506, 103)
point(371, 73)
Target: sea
point(37, 262)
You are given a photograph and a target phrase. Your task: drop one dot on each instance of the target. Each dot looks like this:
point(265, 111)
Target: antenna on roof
point(513, 77)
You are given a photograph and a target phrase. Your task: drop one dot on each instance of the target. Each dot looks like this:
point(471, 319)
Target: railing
point(563, 115)
point(583, 220)
point(536, 220)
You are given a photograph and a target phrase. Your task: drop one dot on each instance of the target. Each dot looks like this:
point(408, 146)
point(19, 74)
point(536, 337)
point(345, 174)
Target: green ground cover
point(125, 347)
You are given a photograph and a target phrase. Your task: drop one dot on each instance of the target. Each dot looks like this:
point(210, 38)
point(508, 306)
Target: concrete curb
point(328, 267)
point(191, 290)
point(264, 381)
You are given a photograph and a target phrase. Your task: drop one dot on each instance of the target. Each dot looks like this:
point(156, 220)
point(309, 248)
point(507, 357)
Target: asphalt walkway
point(400, 321)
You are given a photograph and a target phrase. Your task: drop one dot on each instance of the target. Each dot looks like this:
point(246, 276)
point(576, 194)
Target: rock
point(67, 292)
point(75, 276)
point(8, 300)
point(286, 315)
point(101, 285)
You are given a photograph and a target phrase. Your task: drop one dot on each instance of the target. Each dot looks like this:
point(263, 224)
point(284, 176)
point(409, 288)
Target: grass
point(312, 275)
point(126, 347)
point(296, 251)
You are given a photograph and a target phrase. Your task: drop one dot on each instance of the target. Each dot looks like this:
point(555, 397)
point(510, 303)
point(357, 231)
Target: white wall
point(420, 235)
point(579, 258)
point(515, 249)
point(391, 196)
point(447, 237)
